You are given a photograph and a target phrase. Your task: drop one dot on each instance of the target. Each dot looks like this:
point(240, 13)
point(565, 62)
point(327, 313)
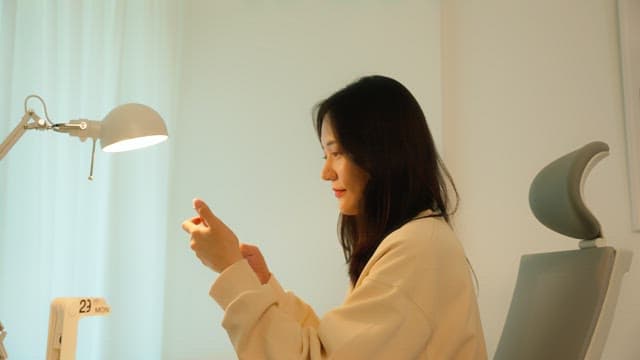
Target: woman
point(411, 294)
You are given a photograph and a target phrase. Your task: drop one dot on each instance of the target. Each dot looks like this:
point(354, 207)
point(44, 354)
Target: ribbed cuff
point(232, 282)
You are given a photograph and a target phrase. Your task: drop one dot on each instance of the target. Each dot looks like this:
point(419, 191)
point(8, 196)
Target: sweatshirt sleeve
point(264, 322)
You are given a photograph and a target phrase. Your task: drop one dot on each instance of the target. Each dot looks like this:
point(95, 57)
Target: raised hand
point(212, 241)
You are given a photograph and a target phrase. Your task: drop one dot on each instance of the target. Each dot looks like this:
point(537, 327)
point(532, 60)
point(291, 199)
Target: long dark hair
point(381, 127)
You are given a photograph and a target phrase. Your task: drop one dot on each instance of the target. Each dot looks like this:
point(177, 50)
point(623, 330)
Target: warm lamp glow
point(131, 126)
point(136, 143)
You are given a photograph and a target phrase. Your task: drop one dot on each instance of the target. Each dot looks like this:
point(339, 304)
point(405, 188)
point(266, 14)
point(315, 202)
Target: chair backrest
point(563, 302)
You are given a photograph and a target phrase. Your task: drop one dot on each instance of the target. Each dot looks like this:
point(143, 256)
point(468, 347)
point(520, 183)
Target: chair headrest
point(555, 195)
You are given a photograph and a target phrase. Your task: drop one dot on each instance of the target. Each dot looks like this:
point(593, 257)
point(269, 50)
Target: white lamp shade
point(131, 126)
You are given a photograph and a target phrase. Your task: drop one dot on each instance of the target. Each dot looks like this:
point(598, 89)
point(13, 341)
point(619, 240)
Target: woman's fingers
point(212, 241)
point(191, 225)
point(205, 212)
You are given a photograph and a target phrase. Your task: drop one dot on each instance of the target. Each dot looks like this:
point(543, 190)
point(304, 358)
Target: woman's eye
point(333, 155)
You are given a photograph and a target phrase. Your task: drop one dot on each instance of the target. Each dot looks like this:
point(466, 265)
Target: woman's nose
point(327, 172)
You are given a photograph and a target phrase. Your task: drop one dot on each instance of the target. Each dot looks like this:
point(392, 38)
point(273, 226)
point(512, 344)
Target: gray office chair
point(563, 302)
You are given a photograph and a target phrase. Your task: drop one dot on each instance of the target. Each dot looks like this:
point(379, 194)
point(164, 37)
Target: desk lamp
point(127, 127)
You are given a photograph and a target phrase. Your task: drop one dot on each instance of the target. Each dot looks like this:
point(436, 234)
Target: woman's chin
point(348, 211)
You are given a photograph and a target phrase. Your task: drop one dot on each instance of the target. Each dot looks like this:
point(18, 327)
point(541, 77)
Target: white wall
point(244, 141)
point(525, 82)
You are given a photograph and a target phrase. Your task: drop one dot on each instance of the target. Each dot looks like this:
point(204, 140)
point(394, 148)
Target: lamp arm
point(81, 128)
point(15, 135)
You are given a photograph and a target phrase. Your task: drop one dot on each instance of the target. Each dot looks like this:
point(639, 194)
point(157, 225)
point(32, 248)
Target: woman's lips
point(339, 192)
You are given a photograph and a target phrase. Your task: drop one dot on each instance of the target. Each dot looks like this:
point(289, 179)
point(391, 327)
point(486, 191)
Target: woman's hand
point(256, 260)
point(213, 242)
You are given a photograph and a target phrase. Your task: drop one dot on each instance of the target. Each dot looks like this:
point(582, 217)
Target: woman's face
point(348, 180)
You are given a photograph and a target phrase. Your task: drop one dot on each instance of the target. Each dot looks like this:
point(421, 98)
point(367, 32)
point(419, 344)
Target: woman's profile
point(411, 294)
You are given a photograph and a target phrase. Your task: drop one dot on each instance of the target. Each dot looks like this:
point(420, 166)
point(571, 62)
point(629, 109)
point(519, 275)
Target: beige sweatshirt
point(414, 300)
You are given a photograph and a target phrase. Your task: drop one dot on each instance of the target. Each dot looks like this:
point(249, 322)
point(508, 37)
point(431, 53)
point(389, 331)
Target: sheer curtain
point(61, 234)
